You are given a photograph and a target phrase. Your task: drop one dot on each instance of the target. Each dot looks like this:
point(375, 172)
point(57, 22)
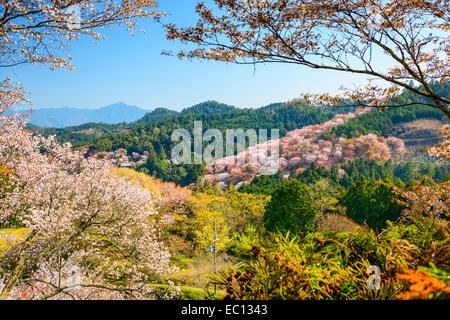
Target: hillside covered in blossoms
point(302, 147)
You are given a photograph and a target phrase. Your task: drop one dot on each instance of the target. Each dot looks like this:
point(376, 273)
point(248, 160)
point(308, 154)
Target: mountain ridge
point(66, 116)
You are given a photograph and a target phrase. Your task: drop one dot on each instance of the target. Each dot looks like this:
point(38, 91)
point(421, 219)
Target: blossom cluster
point(302, 147)
point(121, 157)
point(78, 215)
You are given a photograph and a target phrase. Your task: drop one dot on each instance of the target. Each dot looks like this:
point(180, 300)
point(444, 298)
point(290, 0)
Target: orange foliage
point(423, 286)
point(442, 149)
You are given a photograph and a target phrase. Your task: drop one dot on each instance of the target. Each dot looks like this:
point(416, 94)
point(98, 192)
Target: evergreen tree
point(291, 209)
point(371, 202)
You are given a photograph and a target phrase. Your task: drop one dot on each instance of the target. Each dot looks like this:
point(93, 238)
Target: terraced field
point(418, 134)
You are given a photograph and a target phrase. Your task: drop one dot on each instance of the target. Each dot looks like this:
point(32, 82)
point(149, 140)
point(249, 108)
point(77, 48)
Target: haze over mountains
point(66, 117)
point(118, 113)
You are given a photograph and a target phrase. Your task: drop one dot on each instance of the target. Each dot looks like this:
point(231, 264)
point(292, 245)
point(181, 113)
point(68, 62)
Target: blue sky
point(132, 70)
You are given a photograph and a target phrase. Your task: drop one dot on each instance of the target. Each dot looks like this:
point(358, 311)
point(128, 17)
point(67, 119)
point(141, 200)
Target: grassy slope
point(10, 237)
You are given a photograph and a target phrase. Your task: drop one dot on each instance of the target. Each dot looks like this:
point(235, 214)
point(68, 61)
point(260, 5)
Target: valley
point(284, 150)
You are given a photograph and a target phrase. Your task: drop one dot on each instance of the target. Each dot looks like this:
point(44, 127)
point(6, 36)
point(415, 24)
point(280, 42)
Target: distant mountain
point(66, 117)
point(45, 123)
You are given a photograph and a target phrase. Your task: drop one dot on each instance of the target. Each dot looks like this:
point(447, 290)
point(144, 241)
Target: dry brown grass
point(200, 268)
point(337, 223)
point(90, 131)
point(423, 124)
point(178, 245)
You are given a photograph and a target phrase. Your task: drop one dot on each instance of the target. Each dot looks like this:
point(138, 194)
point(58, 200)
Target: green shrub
point(371, 202)
point(244, 242)
point(318, 266)
point(291, 209)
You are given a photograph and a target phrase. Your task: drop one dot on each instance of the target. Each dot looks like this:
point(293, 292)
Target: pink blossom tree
point(89, 233)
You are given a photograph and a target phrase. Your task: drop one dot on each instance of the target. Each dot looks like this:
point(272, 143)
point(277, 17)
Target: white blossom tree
point(89, 233)
point(40, 31)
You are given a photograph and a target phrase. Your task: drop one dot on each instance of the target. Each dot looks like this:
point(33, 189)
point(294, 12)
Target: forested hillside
point(285, 118)
point(382, 122)
point(156, 115)
point(400, 173)
point(152, 134)
point(155, 138)
point(87, 133)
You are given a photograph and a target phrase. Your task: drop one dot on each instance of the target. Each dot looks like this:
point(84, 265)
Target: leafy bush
point(291, 209)
point(426, 283)
point(371, 202)
point(412, 256)
point(319, 266)
point(244, 242)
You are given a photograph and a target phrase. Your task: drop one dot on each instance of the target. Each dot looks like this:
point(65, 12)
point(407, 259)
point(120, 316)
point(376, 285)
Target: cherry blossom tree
point(411, 37)
point(303, 147)
point(429, 198)
point(88, 233)
point(40, 31)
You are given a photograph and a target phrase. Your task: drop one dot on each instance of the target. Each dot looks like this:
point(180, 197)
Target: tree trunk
point(13, 279)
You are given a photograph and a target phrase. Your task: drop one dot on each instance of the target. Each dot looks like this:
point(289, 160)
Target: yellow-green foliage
point(423, 241)
point(146, 181)
point(193, 213)
point(205, 208)
point(330, 265)
point(10, 237)
point(170, 199)
point(243, 242)
point(246, 209)
point(233, 211)
point(204, 231)
point(326, 197)
point(195, 272)
point(6, 181)
point(320, 266)
point(189, 293)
